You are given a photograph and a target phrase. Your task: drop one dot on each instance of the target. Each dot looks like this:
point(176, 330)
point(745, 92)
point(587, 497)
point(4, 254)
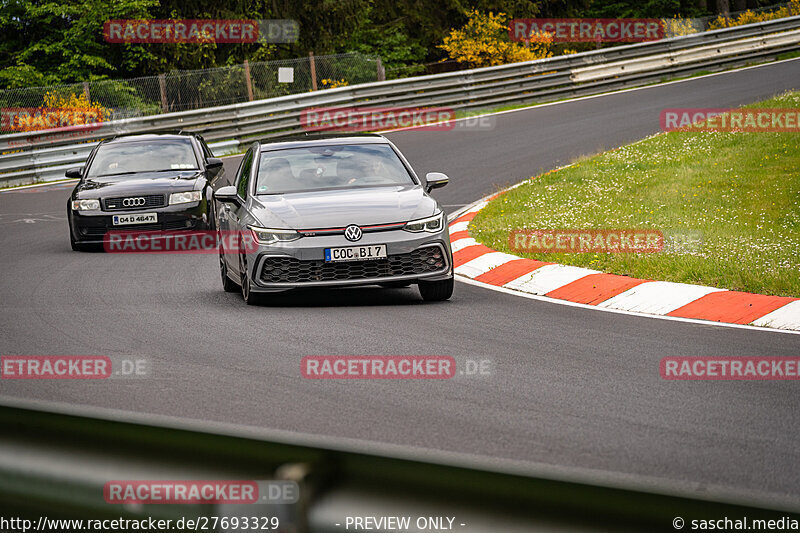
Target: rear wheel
point(436, 291)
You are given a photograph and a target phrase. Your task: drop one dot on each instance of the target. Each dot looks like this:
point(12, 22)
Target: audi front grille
point(426, 260)
point(147, 201)
point(178, 225)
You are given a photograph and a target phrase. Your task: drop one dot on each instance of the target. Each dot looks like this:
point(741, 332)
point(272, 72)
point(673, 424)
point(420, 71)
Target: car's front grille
point(290, 270)
point(148, 201)
point(93, 231)
point(100, 230)
point(175, 225)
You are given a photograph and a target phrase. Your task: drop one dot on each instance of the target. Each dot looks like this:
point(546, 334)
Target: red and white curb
point(584, 286)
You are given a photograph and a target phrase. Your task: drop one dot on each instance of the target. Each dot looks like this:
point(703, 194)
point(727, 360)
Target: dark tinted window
point(143, 156)
point(244, 174)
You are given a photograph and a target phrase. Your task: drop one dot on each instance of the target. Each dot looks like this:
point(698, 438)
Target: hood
point(341, 207)
point(142, 183)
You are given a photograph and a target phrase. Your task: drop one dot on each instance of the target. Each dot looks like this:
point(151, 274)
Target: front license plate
point(356, 253)
point(138, 218)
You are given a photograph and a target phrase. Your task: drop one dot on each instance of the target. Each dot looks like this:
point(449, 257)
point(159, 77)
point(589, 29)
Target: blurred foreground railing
point(55, 464)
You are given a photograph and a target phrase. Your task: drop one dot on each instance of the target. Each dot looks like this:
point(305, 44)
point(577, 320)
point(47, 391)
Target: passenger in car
point(277, 175)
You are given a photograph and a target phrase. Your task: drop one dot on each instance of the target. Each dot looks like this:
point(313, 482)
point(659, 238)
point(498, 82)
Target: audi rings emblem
point(352, 233)
point(133, 202)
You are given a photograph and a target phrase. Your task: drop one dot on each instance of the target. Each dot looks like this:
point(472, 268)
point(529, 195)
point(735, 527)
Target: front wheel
point(436, 291)
point(228, 285)
point(250, 297)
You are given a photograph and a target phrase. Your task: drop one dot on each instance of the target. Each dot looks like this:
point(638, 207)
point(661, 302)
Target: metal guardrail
point(55, 464)
point(44, 155)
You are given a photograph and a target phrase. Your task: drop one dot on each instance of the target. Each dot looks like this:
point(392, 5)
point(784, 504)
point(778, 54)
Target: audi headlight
point(271, 236)
point(432, 224)
point(85, 205)
point(185, 197)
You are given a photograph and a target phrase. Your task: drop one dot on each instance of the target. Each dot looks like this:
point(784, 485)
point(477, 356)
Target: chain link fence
point(184, 90)
point(678, 26)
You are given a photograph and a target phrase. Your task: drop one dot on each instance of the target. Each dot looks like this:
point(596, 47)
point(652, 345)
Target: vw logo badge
point(352, 233)
point(133, 202)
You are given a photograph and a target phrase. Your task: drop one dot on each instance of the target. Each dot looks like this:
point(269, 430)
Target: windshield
point(330, 167)
point(135, 157)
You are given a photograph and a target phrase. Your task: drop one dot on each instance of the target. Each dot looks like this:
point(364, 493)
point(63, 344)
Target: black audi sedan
point(153, 182)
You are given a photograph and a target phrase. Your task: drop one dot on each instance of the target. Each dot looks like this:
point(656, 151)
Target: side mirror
point(435, 180)
point(227, 194)
point(213, 164)
point(74, 173)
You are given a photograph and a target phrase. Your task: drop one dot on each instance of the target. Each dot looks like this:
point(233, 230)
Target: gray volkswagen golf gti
point(332, 211)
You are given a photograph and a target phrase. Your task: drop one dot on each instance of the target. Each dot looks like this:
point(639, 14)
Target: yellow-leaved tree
point(750, 17)
point(483, 41)
point(678, 25)
point(59, 111)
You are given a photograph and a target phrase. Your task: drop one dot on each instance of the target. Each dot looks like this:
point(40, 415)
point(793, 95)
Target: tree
point(483, 41)
point(645, 8)
point(46, 42)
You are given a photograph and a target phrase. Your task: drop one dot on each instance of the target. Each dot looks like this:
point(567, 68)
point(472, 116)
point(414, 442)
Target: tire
point(228, 285)
point(436, 291)
point(250, 297)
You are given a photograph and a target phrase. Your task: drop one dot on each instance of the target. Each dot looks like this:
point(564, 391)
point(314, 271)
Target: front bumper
point(410, 257)
point(91, 226)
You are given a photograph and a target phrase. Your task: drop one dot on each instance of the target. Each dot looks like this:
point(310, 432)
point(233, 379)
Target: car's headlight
point(185, 197)
point(432, 224)
point(271, 236)
point(85, 205)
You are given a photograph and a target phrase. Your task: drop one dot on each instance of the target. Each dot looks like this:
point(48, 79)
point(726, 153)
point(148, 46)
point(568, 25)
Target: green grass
point(727, 203)
point(787, 55)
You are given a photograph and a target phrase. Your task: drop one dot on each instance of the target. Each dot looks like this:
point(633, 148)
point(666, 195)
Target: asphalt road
point(571, 387)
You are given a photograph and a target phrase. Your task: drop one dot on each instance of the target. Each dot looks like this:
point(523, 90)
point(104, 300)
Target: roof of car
point(150, 137)
point(299, 141)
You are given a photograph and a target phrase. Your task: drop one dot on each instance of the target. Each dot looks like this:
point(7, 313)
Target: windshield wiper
point(117, 174)
point(145, 171)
